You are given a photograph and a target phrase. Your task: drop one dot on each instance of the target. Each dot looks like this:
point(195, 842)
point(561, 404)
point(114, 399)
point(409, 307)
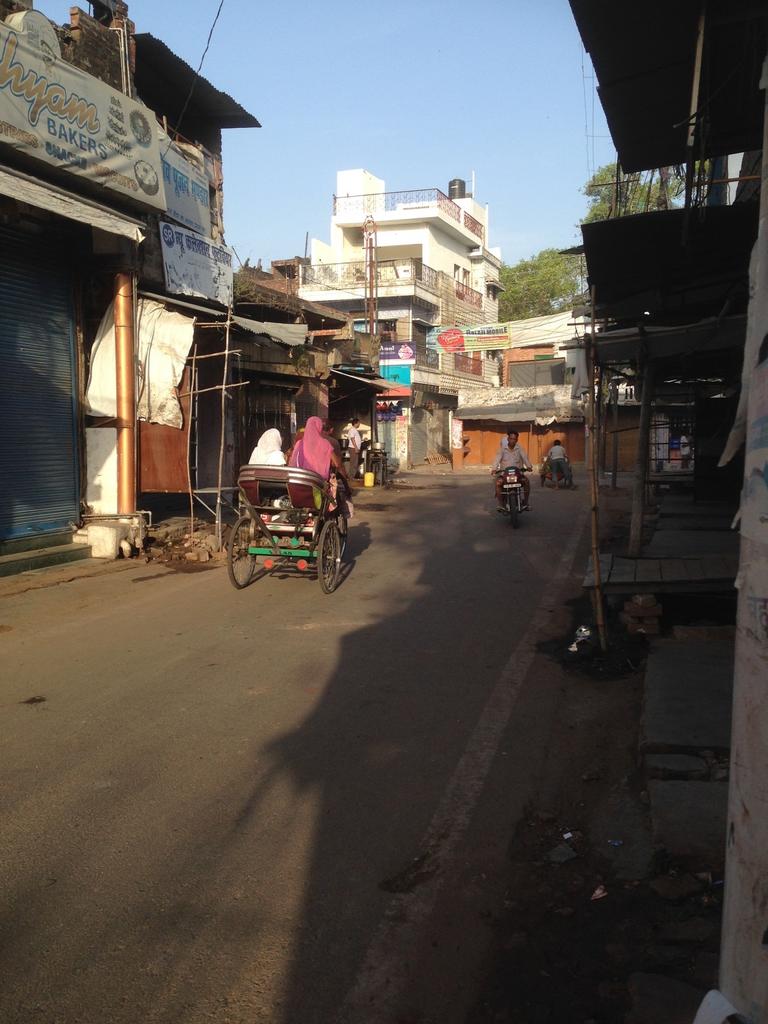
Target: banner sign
point(469, 339)
point(53, 112)
point(397, 352)
point(196, 265)
point(398, 373)
point(187, 191)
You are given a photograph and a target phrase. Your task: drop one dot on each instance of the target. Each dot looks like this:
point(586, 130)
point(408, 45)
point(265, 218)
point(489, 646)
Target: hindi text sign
point(196, 265)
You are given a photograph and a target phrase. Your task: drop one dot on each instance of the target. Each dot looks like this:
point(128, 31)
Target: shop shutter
point(39, 465)
point(419, 435)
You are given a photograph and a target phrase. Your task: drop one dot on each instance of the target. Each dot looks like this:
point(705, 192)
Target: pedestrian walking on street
point(355, 444)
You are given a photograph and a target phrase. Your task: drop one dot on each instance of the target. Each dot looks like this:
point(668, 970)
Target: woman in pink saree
point(315, 452)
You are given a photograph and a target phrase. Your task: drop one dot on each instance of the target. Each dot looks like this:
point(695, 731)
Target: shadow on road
point(380, 746)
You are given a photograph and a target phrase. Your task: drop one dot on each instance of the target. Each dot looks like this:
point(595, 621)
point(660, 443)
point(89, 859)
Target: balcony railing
point(374, 205)
point(473, 225)
point(389, 273)
point(464, 362)
point(426, 357)
point(468, 295)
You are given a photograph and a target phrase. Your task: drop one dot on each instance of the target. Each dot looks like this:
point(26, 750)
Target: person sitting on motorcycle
point(513, 455)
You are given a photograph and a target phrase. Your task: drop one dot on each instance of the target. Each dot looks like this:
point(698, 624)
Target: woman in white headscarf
point(268, 452)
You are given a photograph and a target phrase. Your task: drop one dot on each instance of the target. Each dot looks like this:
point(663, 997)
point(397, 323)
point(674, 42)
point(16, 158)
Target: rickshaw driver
point(513, 455)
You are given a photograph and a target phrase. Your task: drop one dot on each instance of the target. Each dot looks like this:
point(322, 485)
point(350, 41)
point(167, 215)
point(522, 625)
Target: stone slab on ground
point(677, 523)
point(676, 766)
point(657, 999)
point(693, 544)
point(688, 820)
point(704, 633)
point(688, 692)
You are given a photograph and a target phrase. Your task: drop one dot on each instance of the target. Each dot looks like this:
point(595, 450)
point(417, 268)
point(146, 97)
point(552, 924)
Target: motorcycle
point(512, 494)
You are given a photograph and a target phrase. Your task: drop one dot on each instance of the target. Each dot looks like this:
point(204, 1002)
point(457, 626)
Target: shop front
point(48, 248)
point(354, 395)
point(393, 417)
point(40, 451)
point(540, 419)
point(431, 424)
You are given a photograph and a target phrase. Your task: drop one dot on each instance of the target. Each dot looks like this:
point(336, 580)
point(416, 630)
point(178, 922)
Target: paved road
point(198, 819)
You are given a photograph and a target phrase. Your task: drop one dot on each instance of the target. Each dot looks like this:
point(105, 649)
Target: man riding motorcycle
point(512, 455)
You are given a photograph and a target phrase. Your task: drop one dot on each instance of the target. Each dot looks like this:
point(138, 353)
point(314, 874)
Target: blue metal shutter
point(39, 470)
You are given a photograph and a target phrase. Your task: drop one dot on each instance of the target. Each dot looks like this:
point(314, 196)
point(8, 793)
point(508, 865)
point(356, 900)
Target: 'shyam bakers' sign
point(55, 113)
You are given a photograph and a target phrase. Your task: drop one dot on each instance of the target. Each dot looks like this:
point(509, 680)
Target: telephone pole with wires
point(371, 274)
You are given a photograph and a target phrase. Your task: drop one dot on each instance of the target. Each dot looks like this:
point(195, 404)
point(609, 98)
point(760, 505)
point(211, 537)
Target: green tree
point(633, 193)
point(546, 283)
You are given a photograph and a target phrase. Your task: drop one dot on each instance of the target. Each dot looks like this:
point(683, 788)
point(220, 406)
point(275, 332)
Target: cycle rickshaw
point(289, 518)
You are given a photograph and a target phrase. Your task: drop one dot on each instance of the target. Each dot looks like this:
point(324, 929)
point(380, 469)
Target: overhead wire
point(196, 76)
point(586, 116)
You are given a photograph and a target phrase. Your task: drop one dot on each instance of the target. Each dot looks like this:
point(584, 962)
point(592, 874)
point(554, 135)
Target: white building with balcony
point(433, 268)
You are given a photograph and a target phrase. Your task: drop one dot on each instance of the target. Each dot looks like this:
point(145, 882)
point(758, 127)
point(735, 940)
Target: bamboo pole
point(595, 485)
point(214, 387)
point(190, 421)
point(641, 467)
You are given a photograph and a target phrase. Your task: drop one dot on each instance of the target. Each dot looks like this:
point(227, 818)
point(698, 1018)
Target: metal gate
point(39, 465)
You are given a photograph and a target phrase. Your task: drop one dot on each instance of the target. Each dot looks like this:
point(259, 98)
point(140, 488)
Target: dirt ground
point(582, 914)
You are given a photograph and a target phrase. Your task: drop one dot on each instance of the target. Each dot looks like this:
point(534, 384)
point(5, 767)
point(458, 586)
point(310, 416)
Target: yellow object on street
point(368, 479)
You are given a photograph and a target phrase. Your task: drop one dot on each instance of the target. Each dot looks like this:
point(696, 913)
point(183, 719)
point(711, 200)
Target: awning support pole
point(595, 484)
point(694, 116)
point(191, 422)
point(125, 375)
point(641, 466)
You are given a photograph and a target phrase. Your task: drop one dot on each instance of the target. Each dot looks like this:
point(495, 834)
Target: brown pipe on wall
point(125, 369)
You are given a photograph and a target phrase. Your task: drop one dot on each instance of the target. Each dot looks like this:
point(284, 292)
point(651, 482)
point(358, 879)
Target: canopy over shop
point(676, 301)
point(188, 355)
point(353, 393)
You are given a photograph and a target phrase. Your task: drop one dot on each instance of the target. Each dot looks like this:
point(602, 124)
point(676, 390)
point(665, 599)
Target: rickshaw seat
point(300, 484)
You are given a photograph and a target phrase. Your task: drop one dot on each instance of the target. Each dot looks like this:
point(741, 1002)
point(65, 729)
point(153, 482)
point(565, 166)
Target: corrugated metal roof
point(286, 334)
point(163, 80)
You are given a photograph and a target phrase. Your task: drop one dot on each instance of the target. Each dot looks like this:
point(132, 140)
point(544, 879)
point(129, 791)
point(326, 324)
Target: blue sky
point(416, 92)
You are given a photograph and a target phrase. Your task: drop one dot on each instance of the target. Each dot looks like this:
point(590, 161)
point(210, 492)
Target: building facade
point(111, 226)
point(431, 267)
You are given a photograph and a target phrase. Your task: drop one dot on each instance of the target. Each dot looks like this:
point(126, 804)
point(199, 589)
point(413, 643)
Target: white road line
point(382, 976)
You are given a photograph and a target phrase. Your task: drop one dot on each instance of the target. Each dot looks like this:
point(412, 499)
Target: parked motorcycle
point(512, 494)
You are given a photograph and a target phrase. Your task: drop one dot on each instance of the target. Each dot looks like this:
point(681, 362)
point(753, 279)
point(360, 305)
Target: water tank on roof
point(457, 188)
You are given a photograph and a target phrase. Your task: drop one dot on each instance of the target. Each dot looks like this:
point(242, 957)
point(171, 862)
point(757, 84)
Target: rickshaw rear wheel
point(343, 524)
point(329, 556)
point(240, 565)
